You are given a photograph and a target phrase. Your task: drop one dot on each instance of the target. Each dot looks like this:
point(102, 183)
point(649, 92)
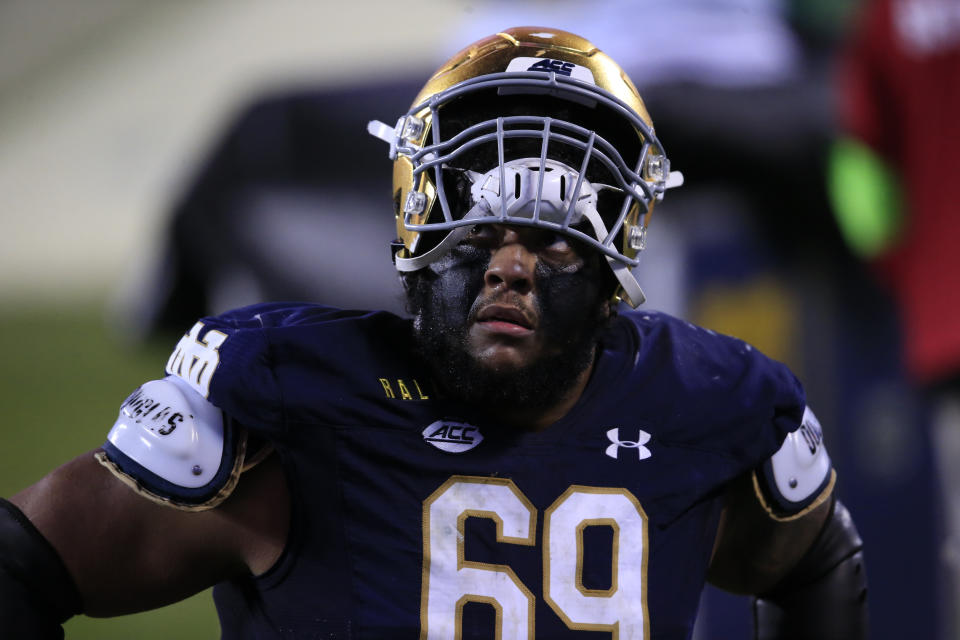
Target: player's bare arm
point(786, 538)
point(125, 553)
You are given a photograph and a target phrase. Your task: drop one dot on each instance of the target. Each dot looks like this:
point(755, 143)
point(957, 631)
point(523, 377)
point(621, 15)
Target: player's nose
point(511, 265)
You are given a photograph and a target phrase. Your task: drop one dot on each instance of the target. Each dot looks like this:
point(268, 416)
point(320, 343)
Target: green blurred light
point(866, 198)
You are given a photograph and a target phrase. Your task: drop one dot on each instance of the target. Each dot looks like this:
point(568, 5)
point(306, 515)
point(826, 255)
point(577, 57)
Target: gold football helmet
point(531, 126)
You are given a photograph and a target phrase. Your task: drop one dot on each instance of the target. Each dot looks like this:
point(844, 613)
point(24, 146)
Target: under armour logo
point(642, 439)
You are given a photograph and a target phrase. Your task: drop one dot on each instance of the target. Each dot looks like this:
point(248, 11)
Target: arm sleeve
point(37, 593)
point(825, 595)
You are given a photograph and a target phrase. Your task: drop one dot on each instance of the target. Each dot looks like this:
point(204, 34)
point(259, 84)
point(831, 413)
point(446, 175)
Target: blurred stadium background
point(159, 161)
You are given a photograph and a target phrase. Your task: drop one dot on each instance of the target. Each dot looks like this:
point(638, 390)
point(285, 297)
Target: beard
point(444, 299)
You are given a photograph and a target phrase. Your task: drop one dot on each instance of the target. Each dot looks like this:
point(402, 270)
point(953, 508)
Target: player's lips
point(505, 319)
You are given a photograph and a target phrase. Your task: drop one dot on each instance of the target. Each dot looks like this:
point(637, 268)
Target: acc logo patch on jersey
point(452, 436)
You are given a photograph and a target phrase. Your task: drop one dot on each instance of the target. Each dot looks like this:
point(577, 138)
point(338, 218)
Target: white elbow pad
point(796, 475)
point(171, 444)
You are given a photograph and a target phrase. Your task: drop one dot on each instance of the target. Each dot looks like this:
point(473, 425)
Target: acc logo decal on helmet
point(551, 65)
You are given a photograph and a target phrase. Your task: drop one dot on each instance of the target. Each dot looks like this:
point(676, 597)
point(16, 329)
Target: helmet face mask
point(500, 135)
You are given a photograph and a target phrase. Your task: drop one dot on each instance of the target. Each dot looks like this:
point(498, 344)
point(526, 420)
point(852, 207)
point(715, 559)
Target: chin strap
point(825, 596)
point(632, 292)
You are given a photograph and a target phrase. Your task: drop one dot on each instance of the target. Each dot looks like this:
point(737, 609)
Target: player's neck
point(540, 419)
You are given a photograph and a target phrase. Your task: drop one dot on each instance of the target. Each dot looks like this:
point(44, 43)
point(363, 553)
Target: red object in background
point(900, 94)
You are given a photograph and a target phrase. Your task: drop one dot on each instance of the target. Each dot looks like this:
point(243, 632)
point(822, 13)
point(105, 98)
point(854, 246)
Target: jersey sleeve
point(183, 441)
point(716, 395)
point(226, 359)
point(751, 411)
point(746, 402)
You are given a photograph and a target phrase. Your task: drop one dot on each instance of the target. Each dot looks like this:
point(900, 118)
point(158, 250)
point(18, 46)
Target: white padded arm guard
point(172, 445)
point(799, 473)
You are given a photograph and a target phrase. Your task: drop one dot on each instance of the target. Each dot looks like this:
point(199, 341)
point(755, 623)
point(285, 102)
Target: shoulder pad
point(171, 444)
point(796, 475)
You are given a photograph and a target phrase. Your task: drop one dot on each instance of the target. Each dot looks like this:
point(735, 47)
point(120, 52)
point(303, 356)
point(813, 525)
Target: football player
point(516, 460)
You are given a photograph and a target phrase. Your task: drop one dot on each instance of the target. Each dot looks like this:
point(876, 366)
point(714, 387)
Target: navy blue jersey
point(412, 517)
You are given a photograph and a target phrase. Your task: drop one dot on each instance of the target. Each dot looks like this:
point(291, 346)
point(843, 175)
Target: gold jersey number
point(450, 581)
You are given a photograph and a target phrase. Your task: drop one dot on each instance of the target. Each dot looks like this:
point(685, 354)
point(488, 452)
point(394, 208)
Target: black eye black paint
point(569, 302)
